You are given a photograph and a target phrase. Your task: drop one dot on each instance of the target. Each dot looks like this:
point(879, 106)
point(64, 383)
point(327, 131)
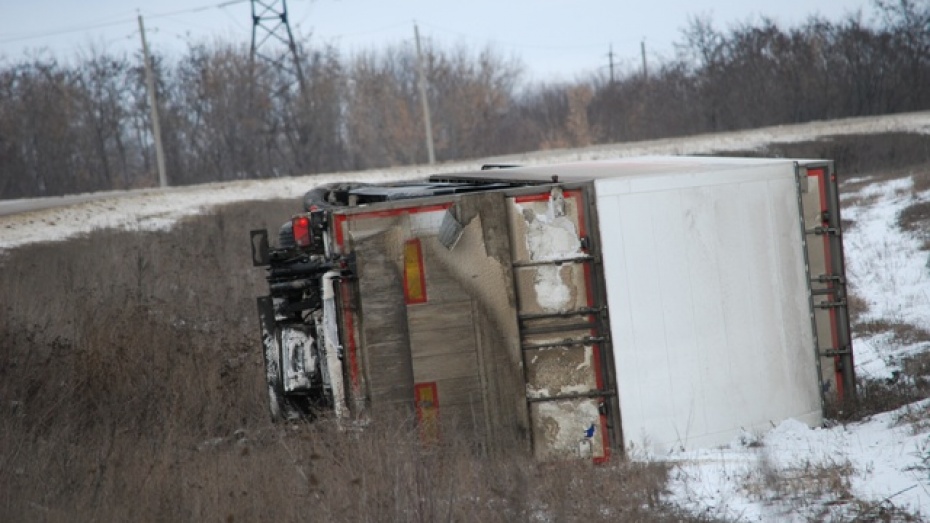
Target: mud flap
point(260, 248)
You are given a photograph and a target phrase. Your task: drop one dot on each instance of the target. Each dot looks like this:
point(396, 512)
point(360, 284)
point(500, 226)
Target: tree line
point(85, 125)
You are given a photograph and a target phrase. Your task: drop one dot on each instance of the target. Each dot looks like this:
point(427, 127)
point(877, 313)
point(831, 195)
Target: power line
point(64, 31)
point(100, 25)
point(201, 8)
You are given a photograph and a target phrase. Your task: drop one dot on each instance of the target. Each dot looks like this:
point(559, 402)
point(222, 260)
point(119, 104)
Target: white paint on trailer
point(550, 236)
point(565, 424)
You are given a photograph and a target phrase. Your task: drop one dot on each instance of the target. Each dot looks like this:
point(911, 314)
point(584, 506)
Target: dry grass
point(799, 483)
point(902, 333)
point(817, 491)
point(916, 220)
point(857, 306)
point(909, 385)
point(132, 390)
point(916, 417)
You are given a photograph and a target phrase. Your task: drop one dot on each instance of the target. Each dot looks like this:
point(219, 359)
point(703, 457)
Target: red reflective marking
point(426, 401)
point(340, 221)
point(397, 212)
point(541, 197)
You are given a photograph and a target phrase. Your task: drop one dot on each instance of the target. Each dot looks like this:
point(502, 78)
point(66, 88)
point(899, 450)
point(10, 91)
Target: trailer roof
point(635, 167)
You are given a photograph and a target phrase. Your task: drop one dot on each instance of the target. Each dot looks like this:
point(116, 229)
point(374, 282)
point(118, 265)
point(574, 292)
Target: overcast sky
point(555, 39)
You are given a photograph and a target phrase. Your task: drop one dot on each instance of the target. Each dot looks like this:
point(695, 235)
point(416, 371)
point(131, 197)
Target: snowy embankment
point(153, 209)
point(879, 461)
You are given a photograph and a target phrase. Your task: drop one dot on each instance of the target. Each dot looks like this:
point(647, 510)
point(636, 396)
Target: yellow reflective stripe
point(414, 277)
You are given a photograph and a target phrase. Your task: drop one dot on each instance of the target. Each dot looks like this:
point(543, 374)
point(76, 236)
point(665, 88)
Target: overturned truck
point(565, 310)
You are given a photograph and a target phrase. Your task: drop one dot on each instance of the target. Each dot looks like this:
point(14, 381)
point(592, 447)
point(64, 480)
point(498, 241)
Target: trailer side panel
point(708, 299)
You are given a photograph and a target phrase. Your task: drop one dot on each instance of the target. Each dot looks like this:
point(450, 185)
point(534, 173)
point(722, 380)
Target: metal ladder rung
point(590, 340)
point(828, 278)
point(830, 304)
point(577, 395)
point(587, 311)
point(549, 329)
point(820, 231)
point(824, 292)
point(560, 261)
point(829, 353)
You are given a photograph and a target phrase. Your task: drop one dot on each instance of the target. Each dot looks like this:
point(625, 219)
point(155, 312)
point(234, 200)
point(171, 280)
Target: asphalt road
point(8, 207)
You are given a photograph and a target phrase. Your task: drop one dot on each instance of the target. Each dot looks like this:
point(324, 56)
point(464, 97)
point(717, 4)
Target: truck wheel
point(280, 407)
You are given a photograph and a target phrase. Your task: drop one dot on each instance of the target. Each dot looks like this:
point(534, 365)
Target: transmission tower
point(271, 30)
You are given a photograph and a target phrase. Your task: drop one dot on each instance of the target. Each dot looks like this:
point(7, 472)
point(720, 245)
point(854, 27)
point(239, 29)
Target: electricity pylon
point(271, 29)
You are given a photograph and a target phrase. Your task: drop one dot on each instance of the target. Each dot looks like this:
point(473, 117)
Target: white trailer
point(585, 308)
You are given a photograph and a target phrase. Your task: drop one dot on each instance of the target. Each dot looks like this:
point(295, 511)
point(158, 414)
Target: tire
point(282, 406)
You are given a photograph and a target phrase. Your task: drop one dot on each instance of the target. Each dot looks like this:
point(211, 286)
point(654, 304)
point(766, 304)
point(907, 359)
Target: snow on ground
point(887, 269)
point(886, 459)
point(154, 209)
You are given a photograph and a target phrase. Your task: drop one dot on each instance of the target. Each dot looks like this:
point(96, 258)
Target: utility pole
point(427, 121)
point(611, 56)
point(153, 103)
point(642, 47)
